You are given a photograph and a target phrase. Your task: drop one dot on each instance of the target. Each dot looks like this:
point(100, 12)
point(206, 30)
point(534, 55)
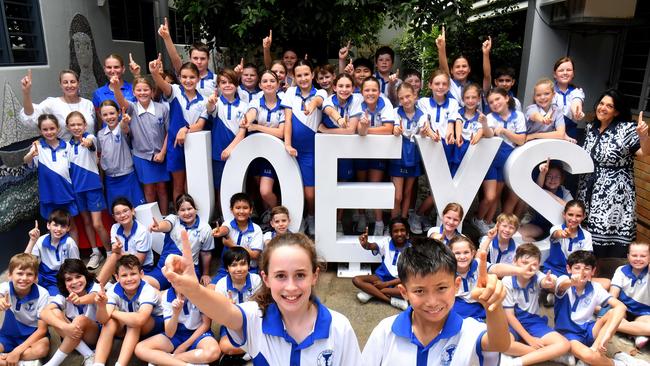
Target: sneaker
point(339, 227)
point(415, 223)
point(387, 231)
point(362, 223)
point(640, 341)
point(94, 261)
point(379, 228)
point(426, 223)
point(363, 297)
point(550, 299)
point(482, 226)
point(630, 360)
point(30, 363)
point(89, 361)
point(150, 364)
point(566, 359)
point(399, 303)
point(311, 226)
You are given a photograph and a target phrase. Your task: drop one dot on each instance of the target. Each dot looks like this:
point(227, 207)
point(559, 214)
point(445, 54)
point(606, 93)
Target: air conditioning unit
point(589, 12)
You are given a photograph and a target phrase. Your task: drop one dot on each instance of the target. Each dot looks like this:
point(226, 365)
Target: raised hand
point(86, 142)
point(35, 150)
point(100, 297)
point(487, 45)
point(543, 168)
point(349, 68)
point(26, 82)
point(345, 51)
point(163, 30)
point(548, 282)
point(154, 227)
point(179, 270)
point(116, 246)
point(489, 291)
point(440, 41)
point(363, 239)
point(267, 41)
point(133, 66)
point(239, 69)
point(156, 66)
point(126, 118)
point(642, 127)
point(5, 302)
point(392, 78)
point(34, 233)
point(492, 233)
point(115, 82)
point(213, 99)
point(177, 304)
point(74, 298)
point(577, 280)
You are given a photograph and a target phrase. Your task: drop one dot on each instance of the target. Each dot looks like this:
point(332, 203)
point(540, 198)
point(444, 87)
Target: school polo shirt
point(225, 287)
point(496, 255)
point(562, 248)
point(303, 127)
point(190, 317)
point(144, 295)
point(52, 257)
point(83, 165)
point(393, 342)
point(138, 240)
point(116, 159)
point(250, 238)
point(226, 119)
point(523, 298)
point(383, 113)
point(200, 235)
point(635, 293)
point(351, 108)
point(516, 123)
point(55, 182)
point(265, 116)
point(331, 343)
point(105, 93)
point(148, 128)
point(439, 115)
point(71, 310)
point(578, 309)
point(535, 127)
point(21, 319)
point(389, 256)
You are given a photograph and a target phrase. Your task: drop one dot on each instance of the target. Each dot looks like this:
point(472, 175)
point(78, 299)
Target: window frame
point(7, 57)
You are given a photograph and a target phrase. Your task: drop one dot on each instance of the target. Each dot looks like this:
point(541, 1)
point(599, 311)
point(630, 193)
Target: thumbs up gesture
point(642, 127)
point(267, 41)
point(489, 291)
point(34, 233)
point(5, 302)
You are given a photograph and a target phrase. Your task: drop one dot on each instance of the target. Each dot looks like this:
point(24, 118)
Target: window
point(181, 31)
point(634, 73)
point(21, 33)
point(126, 20)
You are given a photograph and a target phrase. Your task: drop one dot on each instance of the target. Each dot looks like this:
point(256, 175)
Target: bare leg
point(399, 196)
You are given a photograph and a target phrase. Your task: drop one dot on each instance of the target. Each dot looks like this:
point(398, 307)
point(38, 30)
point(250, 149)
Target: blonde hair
point(24, 261)
point(511, 219)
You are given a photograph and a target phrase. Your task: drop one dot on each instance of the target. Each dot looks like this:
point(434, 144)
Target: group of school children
point(457, 304)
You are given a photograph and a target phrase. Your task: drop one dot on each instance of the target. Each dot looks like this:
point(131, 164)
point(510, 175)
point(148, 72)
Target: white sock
point(99, 364)
point(618, 363)
point(96, 251)
point(83, 348)
point(108, 253)
point(117, 364)
point(516, 361)
point(57, 358)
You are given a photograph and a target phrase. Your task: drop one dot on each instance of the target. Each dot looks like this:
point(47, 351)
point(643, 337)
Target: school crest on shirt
point(325, 358)
point(29, 306)
point(160, 121)
point(447, 355)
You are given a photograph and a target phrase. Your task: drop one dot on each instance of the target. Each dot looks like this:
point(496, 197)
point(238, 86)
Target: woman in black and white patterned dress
point(612, 140)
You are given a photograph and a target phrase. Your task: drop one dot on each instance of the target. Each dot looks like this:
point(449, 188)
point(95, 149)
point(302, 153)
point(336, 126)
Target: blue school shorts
point(124, 186)
point(149, 171)
point(535, 325)
point(175, 157)
point(585, 335)
point(397, 169)
point(182, 334)
point(217, 172)
point(368, 164)
point(382, 273)
point(345, 169)
point(10, 342)
point(91, 201)
point(495, 172)
point(47, 208)
point(469, 309)
point(156, 273)
point(158, 327)
point(306, 162)
point(262, 168)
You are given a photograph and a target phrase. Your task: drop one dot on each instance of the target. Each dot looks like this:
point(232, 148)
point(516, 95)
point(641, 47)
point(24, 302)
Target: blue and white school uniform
point(251, 238)
point(71, 310)
point(383, 113)
point(201, 240)
point(87, 185)
point(564, 100)
point(225, 125)
point(268, 117)
point(518, 106)
point(189, 319)
point(471, 127)
point(536, 127)
point(21, 319)
point(409, 164)
point(465, 306)
point(226, 287)
point(516, 123)
point(145, 295)
point(183, 113)
point(524, 302)
point(562, 248)
point(456, 91)
point(383, 84)
point(574, 314)
point(331, 342)
point(138, 241)
point(393, 342)
point(635, 293)
point(303, 129)
point(440, 115)
point(117, 163)
point(440, 230)
point(55, 183)
point(345, 167)
point(249, 96)
point(387, 270)
point(496, 255)
point(148, 129)
point(207, 85)
point(105, 93)
point(52, 258)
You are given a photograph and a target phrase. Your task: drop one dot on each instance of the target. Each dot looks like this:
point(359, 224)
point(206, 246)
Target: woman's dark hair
point(79, 24)
point(73, 265)
point(620, 104)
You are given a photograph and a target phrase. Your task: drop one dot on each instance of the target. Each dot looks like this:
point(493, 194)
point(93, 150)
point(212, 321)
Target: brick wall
point(642, 180)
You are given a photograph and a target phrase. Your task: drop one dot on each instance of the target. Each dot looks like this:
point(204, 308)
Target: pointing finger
point(131, 58)
point(397, 72)
point(482, 269)
point(166, 23)
point(443, 30)
point(159, 59)
point(36, 224)
point(271, 33)
point(187, 247)
point(640, 121)
point(349, 43)
point(29, 74)
point(241, 62)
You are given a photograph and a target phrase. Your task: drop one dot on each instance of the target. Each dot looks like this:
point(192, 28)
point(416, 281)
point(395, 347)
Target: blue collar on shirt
point(119, 291)
point(444, 238)
point(395, 250)
point(529, 286)
point(578, 238)
point(234, 103)
point(31, 295)
point(47, 243)
point(589, 288)
point(467, 121)
point(75, 144)
point(61, 146)
point(357, 90)
point(511, 248)
point(380, 105)
point(403, 327)
point(171, 296)
point(566, 93)
point(240, 293)
point(275, 108)
point(196, 100)
point(470, 274)
point(249, 229)
point(193, 226)
point(120, 231)
point(272, 325)
point(208, 76)
point(382, 81)
point(433, 103)
point(312, 92)
point(416, 117)
point(249, 92)
point(627, 271)
point(511, 117)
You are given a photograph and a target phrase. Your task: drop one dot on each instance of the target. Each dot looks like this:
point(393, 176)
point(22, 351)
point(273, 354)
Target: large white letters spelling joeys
point(198, 167)
point(524, 159)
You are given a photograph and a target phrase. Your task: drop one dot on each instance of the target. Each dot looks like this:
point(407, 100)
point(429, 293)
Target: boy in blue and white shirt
point(563, 244)
point(630, 285)
point(130, 308)
point(23, 335)
point(52, 249)
point(576, 299)
point(530, 329)
point(430, 332)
